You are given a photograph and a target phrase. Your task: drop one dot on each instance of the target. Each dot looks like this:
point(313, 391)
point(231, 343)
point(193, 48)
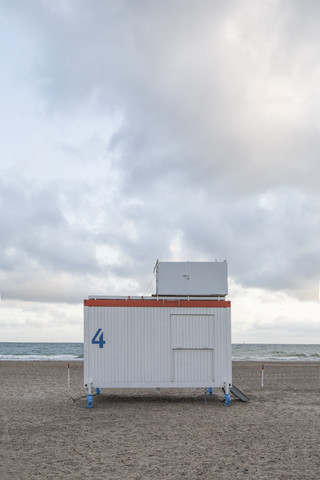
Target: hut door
point(192, 348)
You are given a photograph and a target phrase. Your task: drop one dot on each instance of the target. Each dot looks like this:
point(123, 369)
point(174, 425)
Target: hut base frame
point(226, 389)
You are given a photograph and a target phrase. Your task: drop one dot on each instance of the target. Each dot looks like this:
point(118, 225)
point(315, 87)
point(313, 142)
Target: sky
point(181, 130)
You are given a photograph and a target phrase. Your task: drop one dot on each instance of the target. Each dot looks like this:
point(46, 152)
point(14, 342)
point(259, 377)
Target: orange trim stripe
point(157, 303)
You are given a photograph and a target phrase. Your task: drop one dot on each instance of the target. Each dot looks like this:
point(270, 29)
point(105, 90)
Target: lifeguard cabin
point(180, 337)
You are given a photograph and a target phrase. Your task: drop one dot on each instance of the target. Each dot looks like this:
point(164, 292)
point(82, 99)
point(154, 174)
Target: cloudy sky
point(133, 130)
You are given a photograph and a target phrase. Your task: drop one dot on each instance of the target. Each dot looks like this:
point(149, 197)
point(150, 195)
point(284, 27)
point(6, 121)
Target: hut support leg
point(227, 398)
point(89, 396)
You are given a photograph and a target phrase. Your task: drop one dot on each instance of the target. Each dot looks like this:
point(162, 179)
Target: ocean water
point(275, 352)
point(74, 351)
point(41, 351)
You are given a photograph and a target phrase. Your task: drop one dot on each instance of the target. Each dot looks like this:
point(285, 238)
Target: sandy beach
point(46, 431)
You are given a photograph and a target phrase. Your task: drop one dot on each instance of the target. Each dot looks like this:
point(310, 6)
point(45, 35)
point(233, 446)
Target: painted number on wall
point(98, 341)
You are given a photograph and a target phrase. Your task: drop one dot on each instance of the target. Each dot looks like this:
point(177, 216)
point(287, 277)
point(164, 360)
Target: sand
point(46, 431)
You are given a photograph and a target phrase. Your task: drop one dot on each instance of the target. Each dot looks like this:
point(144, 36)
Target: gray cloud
point(216, 143)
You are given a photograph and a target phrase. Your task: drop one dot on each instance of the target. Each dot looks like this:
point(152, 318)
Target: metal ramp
point(237, 393)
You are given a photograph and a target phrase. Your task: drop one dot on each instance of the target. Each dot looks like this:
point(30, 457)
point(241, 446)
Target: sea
point(240, 352)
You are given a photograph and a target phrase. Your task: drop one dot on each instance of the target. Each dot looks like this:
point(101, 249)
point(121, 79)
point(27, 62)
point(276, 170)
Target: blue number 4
point(99, 342)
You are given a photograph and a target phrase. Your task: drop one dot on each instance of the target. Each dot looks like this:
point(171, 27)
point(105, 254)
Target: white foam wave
point(35, 358)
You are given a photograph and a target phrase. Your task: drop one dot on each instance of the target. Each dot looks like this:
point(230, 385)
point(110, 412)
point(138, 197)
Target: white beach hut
point(180, 337)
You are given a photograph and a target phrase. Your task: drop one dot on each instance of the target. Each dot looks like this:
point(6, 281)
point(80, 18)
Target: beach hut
point(180, 337)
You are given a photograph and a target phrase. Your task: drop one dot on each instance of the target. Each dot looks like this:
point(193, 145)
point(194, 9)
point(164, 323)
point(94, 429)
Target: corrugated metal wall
point(157, 347)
